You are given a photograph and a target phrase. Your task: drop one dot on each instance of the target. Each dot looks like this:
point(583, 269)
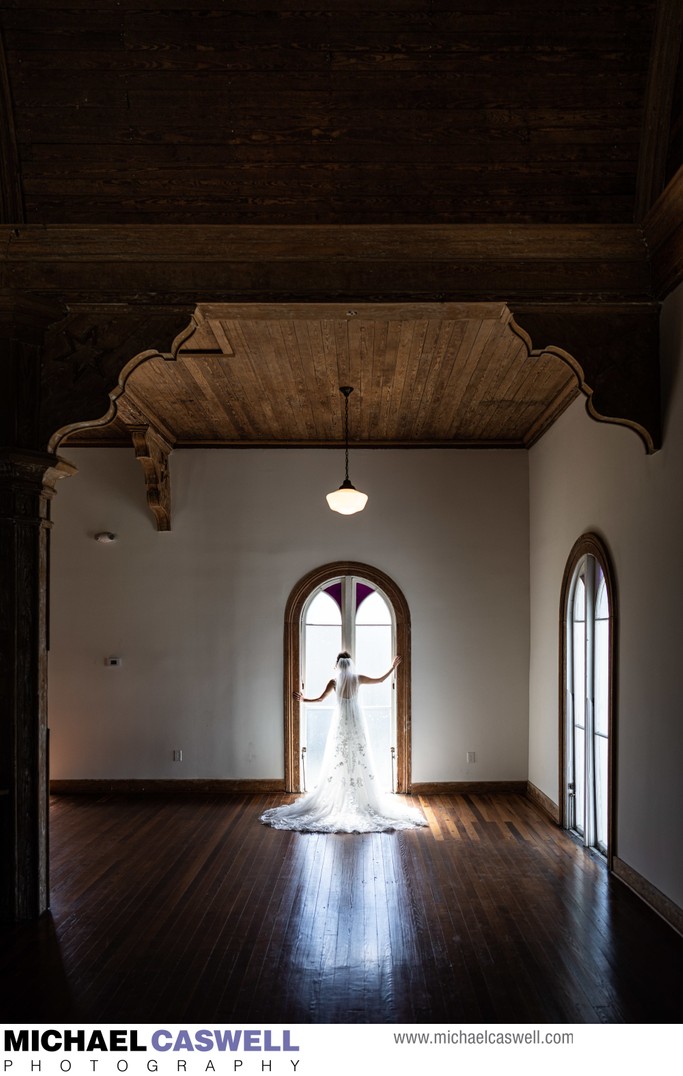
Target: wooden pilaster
point(26, 486)
point(42, 389)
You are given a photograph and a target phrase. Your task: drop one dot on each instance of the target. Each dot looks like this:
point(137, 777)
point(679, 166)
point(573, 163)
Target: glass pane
point(601, 756)
point(579, 772)
point(579, 677)
point(316, 718)
point(579, 605)
point(323, 610)
point(601, 602)
point(362, 592)
point(601, 673)
point(373, 610)
point(373, 658)
point(322, 644)
point(335, 592)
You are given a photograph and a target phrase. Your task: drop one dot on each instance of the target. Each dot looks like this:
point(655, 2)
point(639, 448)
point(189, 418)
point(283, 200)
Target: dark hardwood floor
point(186, 909)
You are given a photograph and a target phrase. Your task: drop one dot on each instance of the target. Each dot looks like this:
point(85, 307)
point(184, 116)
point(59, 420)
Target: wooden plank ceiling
point(447, 374)
point(486, 113)
point(276, 111)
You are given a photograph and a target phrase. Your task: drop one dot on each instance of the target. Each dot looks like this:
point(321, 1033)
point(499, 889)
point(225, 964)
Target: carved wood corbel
point(152, 450)
point(614, 351)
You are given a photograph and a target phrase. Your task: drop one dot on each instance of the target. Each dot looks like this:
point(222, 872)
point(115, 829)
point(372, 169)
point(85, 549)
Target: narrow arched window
point(587, 720)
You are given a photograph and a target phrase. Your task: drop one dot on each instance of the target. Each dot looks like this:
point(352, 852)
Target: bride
point(346, 798)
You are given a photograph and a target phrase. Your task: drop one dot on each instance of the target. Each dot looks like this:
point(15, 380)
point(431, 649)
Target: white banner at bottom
point(332, 1049)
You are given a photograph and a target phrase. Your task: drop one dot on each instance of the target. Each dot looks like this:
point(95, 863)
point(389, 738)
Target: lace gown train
point(346, 798)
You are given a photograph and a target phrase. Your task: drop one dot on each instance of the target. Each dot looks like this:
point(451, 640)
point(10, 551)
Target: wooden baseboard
point(663, 905)
point(544, 802)
point(259, 786)
point(465, 788)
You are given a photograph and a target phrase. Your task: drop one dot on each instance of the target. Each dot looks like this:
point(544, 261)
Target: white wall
point(197, 614)
point(588, 476)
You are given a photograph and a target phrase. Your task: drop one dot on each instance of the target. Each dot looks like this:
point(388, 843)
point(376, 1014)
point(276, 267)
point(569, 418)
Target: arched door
point(355, 607)
point(587, 733)
point(348, 613)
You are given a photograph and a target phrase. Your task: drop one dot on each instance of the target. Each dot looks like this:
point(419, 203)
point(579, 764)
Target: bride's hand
point(298, 695)
point(397, 661)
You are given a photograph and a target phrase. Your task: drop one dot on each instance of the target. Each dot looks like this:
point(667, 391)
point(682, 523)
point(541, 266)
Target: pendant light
point(347, 499)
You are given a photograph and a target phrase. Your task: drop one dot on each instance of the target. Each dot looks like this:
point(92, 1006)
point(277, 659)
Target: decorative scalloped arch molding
point(77, 353)
point(612, 349)
point(295, 604)
point(97, 361)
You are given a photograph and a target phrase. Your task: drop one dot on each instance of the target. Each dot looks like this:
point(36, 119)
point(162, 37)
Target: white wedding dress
point(346, 798)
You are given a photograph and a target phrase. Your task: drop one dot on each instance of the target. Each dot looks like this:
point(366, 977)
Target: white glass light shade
point(347, 499)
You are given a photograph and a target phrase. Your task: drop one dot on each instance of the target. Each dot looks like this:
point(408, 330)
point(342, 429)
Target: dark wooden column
point(55, 369)
point(26, 487)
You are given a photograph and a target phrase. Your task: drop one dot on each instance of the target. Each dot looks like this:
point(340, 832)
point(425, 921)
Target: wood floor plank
point(184, 908)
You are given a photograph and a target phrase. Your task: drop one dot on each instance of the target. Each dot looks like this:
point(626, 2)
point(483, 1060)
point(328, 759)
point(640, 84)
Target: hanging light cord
point(346, 397)
point(346, 391)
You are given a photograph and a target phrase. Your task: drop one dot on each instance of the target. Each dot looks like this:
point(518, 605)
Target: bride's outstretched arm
point(379, 679)
point(300, 698)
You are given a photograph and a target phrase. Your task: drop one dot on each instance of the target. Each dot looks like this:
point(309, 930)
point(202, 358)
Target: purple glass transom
point(362, 592)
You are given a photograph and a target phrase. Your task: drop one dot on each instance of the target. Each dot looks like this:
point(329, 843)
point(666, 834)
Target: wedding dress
point(346, 798)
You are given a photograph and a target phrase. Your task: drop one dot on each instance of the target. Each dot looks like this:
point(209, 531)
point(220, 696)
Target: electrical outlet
point(471, 756)
point(177, 755)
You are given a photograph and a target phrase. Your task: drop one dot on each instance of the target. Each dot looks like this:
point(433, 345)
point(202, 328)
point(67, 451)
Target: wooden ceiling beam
point(172, 264)
point(663, 230)
point(11, 193)
point(654, 143)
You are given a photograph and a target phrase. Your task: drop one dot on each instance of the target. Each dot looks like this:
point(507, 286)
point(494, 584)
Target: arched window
point(347, 613)
point(588, 622)
point(347, 606)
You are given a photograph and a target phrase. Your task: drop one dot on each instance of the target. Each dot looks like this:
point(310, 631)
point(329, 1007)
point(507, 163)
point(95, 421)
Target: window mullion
point(348, 614)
